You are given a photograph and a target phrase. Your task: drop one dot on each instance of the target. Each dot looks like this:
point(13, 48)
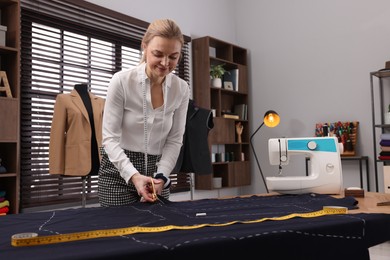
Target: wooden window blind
point(65, 43)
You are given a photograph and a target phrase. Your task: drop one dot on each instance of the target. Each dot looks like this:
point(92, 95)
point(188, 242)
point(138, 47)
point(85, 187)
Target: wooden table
point(368, 204)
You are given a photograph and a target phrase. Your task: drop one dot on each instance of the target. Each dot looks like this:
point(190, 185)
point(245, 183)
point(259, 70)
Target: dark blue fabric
point(345, 236)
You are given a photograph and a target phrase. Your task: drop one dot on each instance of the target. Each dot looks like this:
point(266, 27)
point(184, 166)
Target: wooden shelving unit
point(380, 100)
point(10, 106)
point(207, 51)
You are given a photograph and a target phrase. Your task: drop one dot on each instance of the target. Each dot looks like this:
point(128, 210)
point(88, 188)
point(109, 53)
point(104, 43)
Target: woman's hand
point(147, 187)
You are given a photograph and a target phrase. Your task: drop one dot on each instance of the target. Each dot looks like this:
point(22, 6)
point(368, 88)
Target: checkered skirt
point(112, 188)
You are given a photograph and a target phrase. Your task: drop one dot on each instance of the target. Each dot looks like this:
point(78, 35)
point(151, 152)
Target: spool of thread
point(325, 130)
point(348, 145)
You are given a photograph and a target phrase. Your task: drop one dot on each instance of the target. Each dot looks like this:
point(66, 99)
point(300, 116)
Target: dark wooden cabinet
point(10, 105)
point(234, 168)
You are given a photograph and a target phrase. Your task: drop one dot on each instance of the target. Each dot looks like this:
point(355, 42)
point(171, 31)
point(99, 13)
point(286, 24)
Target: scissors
point(154, 194)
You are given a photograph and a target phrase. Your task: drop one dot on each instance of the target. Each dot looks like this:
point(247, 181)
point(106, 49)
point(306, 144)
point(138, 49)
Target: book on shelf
point(230, 116)
point(241, 111)
point(232, 76)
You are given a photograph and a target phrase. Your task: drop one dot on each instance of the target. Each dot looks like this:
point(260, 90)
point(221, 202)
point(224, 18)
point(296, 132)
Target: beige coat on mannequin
point(70, 134)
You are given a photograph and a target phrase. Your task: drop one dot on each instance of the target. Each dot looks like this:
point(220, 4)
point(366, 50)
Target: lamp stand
point(257, 160)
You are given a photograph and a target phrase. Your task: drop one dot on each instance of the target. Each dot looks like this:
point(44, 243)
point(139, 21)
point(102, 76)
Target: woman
point(144, 121)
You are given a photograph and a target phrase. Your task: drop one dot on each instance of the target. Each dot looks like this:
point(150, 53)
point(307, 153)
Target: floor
point(380, 252)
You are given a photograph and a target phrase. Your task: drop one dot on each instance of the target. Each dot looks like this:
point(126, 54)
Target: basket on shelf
point(346, 132)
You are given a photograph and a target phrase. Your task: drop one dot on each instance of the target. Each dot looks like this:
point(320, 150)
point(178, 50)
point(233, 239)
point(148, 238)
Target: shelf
point(379, 102)
point(5, 175)
point(8, 50)
point(209, 51)
point(381, 74)
point(10, 121)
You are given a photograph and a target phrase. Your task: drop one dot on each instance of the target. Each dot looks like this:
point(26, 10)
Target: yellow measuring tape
point(32, 239)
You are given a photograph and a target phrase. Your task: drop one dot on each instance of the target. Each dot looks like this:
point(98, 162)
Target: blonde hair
point(165, 28)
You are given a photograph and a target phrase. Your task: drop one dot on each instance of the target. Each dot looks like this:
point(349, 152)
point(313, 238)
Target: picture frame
point(228, 85)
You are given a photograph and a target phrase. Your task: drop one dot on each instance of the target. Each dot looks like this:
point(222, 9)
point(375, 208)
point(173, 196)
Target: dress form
point(82, 90)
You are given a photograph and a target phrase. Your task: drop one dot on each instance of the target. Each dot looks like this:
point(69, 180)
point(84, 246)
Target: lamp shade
point(271, 118)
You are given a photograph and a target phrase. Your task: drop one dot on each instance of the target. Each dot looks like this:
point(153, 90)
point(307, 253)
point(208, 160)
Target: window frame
point(38, 188)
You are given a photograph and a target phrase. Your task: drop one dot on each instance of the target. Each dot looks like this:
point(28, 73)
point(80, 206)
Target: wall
point(309, 60)
point(196, 18)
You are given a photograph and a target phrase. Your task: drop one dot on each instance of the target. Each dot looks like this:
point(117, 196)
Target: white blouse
point(123, 120)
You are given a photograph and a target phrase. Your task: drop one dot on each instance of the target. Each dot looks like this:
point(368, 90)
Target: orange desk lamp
point(271, 119)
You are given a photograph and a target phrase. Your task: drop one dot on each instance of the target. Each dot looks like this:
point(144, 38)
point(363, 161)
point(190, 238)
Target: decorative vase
point(216, 82)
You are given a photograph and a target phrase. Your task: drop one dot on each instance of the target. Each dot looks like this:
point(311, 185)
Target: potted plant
point(216, 73)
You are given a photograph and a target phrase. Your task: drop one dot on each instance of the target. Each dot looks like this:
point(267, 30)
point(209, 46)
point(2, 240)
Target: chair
point(181, 182)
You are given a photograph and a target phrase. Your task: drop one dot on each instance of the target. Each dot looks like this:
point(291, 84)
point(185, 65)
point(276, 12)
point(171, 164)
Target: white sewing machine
point(325, 174)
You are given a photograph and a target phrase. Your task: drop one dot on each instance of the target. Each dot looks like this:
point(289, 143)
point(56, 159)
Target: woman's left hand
point(147, 187)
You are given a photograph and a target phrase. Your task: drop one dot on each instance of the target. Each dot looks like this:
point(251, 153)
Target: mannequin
point(82, 89)
point(195, 154)
point(76, 134)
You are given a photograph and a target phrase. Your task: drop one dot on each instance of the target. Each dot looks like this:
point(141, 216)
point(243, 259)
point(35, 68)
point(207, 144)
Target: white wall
point(196, 18)
point(309, 60)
